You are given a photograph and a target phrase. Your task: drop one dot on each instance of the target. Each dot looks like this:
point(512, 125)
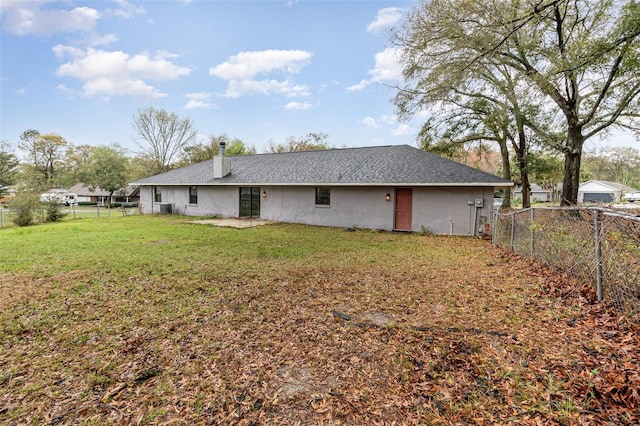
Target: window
point(157, 194)
point(193, 195)
point(323, 196)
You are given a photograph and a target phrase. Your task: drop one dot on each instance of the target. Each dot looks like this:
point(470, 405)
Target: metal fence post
point(597, 225)
point(494, 228)
point(533, 232)
point(513, 230)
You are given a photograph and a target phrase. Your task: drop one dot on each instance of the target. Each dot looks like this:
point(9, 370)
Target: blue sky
point(258, 71)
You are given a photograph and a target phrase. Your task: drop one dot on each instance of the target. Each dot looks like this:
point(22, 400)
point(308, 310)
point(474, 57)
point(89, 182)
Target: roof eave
point(367, 184)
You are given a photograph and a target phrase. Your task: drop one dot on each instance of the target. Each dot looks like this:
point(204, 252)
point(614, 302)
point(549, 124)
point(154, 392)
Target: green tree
point(237, 147)
point(25, 205)
point(52, 148)
point(46, 154)
point(615, 164)
point(545, 168)
point(28, 144)
point(141, 167)
point(199, 151)
point(581, 56)
point(8, 167)
point(77, 161)
point(309, 142)
point(108, 168)
point(161, 136)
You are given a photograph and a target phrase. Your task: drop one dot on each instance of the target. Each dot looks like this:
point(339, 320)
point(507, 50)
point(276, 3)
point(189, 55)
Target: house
point(386, 187)
point(599, 191)
point(538, 193)
point(129, 194)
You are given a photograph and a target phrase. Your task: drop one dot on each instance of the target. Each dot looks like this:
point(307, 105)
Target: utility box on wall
point(479, 202)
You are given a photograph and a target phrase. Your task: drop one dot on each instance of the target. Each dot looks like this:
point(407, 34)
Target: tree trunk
point(521, 154)
point(506, 173)
point(572, 159)
point(526, 187)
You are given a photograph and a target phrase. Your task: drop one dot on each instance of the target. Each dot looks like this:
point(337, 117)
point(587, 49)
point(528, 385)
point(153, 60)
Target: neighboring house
point(386, 187)
point(599, 191)
point(8, 191)
point(537, 193)
point(129, 194)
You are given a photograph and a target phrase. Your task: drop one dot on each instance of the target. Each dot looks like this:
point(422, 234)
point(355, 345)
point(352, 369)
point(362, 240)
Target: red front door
point(403, 209)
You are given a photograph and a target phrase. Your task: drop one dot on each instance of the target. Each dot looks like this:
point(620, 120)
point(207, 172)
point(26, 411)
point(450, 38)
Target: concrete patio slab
point(231, 222)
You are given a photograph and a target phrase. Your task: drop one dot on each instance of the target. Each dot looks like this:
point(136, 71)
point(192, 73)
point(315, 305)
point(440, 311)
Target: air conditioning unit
point(165, 208)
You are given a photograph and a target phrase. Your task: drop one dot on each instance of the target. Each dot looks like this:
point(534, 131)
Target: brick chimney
point(221, 164)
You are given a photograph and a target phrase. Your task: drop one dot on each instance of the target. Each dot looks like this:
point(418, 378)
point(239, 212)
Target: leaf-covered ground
point(410, 330)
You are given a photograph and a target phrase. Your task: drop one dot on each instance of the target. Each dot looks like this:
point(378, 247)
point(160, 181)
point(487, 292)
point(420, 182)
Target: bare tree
point(162, 136)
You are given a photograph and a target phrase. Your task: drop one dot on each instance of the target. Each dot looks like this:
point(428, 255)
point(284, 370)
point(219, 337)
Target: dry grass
point(299, 325)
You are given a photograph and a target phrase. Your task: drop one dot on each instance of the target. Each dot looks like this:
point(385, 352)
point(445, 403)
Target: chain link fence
point(593, 245)
point(7, 215)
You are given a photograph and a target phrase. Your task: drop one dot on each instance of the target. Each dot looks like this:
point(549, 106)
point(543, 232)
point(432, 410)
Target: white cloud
point(241, 71)
point(199, 100)
point(126, 10)
point(66, 90)
point(29, 17)
point(237, 88)
point(401, 130)
point(298, 105)
point(387, 69)
point(20, 92)
point(98, 40)
point(370, 122)
point(108, 87)
point(359, 86)
point(388, 66)
point(389, 119)
point(386, 18)
point(107, 73)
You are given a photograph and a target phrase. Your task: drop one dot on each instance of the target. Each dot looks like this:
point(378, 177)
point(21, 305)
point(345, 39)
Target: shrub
point(24, 204)
point(54, 213)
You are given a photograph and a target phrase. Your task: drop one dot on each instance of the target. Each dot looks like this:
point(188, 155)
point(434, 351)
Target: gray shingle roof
point(382, 165)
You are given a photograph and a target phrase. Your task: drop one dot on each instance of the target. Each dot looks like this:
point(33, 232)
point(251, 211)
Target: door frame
point(408, 192)
point(254, 194)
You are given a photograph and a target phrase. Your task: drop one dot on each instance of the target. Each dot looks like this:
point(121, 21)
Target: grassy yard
point(150, 320)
